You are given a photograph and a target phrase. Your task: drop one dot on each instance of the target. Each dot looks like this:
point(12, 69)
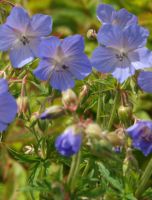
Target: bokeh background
point(69, 17)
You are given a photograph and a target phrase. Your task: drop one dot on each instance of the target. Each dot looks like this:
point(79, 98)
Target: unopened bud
point(70, 100)
point(91, 34)
point(22, 103)
point(115, 139)
point(125, 113)
point(52, 112)
point(93, 130)
point(84, 91)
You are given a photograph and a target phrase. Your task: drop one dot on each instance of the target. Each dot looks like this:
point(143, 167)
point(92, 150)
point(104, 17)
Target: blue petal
point(104, 13)
point(35, 46)
point(145, 81)
point(104, 59)
point(123, 18)
point(79, 66)
point(121, 73)
point(48, 47)
point(3, 86)
point(135, 37)
point(41, 25)
point(145, 59)
point(21, 55)
point(18, 19)
point(8, 108)
point(7, 37)
point(111, 36)
point(61, 80)
point(44, 70)
point(73, 45)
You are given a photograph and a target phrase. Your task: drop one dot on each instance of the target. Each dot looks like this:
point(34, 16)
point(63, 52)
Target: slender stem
point(144, 179)
point(86, 169)
point(113, 111)
point(74, 170)
point(99, 104)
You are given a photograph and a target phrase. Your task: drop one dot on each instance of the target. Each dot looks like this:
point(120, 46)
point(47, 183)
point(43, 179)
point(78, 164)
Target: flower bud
point(115, 139)
point(70, 100)
point(91, 34)
point(93, 130)
point(83, 92)
point(22, 103)
point(52, 112)
point(125, 113)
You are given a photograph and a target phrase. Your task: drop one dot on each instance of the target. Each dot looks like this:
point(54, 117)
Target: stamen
point(24, 40)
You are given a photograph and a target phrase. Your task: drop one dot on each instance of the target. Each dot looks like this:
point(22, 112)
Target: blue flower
point(122, 51)
point(8, 106)
point(21, 35)
point(141, 134)
point(69, 142)
point(62, 61)
point(108, 15)
point(145, 81)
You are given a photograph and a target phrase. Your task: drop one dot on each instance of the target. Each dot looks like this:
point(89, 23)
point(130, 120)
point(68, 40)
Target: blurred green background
point(69, 17)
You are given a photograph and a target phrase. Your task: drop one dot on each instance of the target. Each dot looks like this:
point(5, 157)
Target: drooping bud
point(52, 112)
point(69, 142)
point(116, 138)
point(70, 100)
point(91, 34)
point(93, 130)
point(22, 103)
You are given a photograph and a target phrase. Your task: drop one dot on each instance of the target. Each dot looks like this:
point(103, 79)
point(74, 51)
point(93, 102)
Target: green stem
point(113, 111)
point(99, 104)
point(86, 169)
point(74, 170)
point(144, 179)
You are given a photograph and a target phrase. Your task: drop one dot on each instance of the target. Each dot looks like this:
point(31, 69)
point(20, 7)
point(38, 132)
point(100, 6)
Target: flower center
point(146, 134)
point(121, 56)
point(24, 40)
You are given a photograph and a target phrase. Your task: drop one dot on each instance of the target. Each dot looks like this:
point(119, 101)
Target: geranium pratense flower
point(141, 134)
point(62, 61)
point(8, 106)
point(122, 51)
point(69, 142)
point(108, 15)
point(21, 35)
point(145, 81)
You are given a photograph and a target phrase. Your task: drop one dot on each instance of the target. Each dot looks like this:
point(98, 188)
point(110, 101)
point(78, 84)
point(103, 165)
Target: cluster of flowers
point(121, 51)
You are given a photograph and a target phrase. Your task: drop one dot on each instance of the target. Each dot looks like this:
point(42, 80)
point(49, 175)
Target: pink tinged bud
point(70, 100)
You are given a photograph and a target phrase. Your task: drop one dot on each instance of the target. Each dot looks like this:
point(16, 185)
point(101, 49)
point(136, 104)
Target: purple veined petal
point(21, 55)
point(111, 36)
point(73, 45)
point(7, 37)
point(44, 70)
point(79, 66)
point(146, 147)
point(3, 86)
point(61, 80)
point(40, 25)
point(48, 47)
point(18, 19)
point(134, 37)
point(35, 46)
point(105, 12)
point(104, 59)
point(121, 73)
point(145, 58)
point(8, 108)
point(123, 18)
point(145, 81)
